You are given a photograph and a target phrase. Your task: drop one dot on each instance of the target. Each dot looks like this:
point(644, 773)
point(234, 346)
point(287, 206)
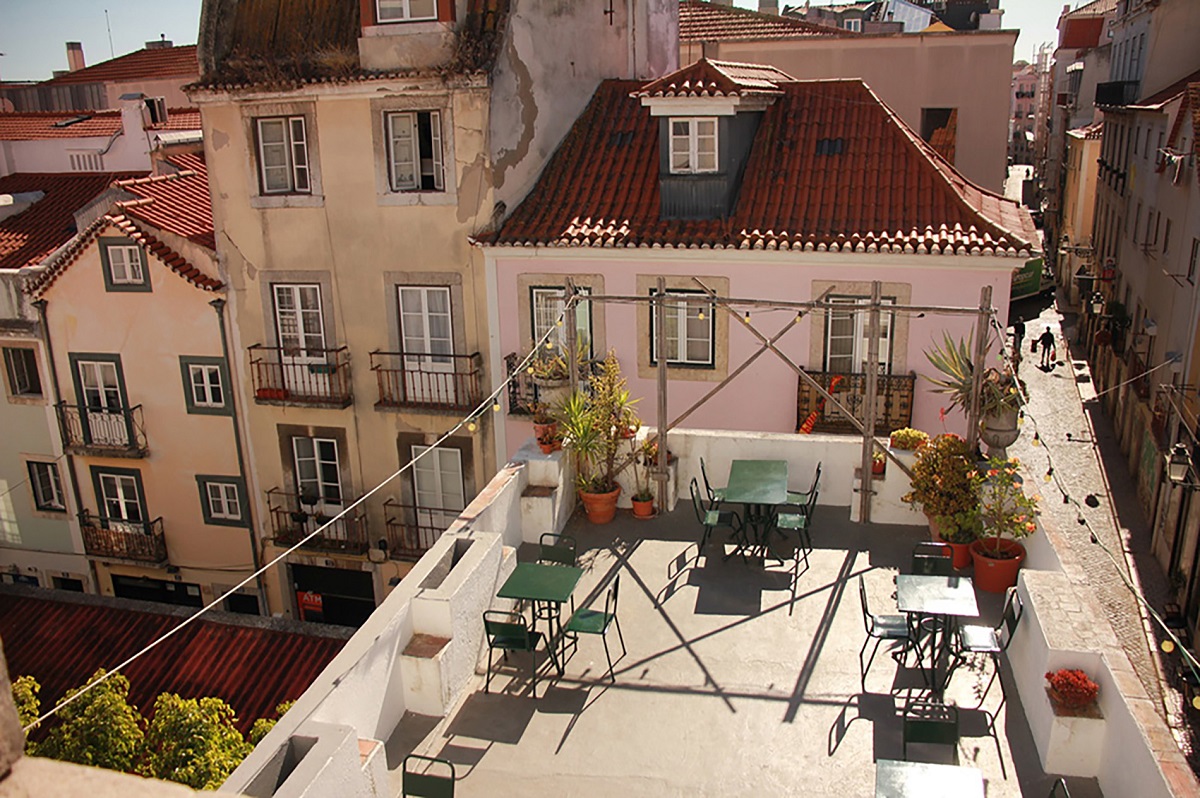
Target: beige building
point(952, 87)
point(1080, 171)
point(345, 186)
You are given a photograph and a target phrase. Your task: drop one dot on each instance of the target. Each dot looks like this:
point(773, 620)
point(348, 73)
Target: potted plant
point(592, 424)
point(1007, 515)
point(959, 531)
point(1071, 688)
point(548, 440)
point(545, 426)
point(1000, 392)
point(878, 462)
point(643, 458)
point(908, 439)
point(943, 480)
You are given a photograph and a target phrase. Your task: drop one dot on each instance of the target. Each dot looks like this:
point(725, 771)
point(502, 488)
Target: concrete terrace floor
point(739, 680)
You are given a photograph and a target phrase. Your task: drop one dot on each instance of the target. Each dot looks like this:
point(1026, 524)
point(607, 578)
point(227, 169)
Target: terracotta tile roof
point(706, 22)
point(1081, 32)
point(160, 62)
point(31, 236)
point(1164, 96)
point(1094, 131)
point(944, 139)
point(707, 78)
point(62, 643)
point(177, 203)
point(32, 125)
point(887, 191)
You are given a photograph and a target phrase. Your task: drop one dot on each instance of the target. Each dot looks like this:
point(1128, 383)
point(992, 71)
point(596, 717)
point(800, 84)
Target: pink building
point(759, 186)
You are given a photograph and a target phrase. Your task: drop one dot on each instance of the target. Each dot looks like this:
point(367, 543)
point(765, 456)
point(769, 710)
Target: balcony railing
point(140, 541)
point(111, 432)
point(1116, 92)
point(523, 390)
point(411, 530)
point(292, 521)
point(893, 407)
point(435, 382)
point(283, 376)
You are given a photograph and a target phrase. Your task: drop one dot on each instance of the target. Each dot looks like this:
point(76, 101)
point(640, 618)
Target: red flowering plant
point(1004, 508)
point(1072, 688)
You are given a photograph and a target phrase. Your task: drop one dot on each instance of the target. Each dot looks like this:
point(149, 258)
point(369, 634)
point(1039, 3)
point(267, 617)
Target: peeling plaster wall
point(543, 78)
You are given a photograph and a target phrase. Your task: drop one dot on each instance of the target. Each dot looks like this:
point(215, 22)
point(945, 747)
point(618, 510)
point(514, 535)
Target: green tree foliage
point(99, 729)
point(193, 742)
point(263, 726)
point(25, 695)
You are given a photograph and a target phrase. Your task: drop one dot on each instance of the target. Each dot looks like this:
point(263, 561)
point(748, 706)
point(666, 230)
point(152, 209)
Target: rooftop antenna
point(111, 52)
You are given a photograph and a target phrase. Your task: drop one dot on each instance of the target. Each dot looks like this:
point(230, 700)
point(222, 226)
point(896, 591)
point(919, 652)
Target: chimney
point(75, 56)
point(768, 7)
point(162, 44)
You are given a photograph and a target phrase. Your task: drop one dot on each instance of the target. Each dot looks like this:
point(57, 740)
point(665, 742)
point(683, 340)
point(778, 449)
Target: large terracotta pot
point(600, 507)
point(994, 575)
point(962, 552)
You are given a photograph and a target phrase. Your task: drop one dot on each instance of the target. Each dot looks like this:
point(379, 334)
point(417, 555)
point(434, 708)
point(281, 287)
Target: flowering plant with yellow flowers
point(1004, 508)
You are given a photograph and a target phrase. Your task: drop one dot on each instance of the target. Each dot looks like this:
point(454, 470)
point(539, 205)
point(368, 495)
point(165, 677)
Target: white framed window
point(283, 155)
point(546, 305)
point(693, 145)
point(852, 24)
point(125, 264)
point(415, 161)
point(47, 487)
point(689, 333)
point(404, 10)
point(120, 497)
point(846, 336)
point(299, 323)
point(205, 381)
point(223, 501)
point(318, 472)
point(438, 479)
point(20, 366)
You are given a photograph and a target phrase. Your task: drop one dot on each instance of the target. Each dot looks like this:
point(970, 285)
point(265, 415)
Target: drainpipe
point(41, 304)
point(219, 306)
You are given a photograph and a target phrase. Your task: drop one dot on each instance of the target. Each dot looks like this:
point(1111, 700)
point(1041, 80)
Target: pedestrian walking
point(1046, 342)
point(1018, 333)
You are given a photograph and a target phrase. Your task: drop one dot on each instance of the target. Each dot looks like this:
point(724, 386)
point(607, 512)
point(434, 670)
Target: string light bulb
point(1037, 441)
point(1196, 701)
point(529, 370)
point(799, 315)
point(1168, 646)
point(549, 344)
point(747, 315)
point(558, 323)
point(700, 315)
point(472, 426)
point(496, 406)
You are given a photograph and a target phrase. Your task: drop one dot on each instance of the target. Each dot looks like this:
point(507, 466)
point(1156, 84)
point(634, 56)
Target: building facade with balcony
point(345, 190)
point(682, 179)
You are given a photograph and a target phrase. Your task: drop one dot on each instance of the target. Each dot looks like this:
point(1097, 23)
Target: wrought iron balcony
point(411, 530)
point(107, 432)
point(893, 407)
point(434, 382)
point(1117, 92)
point(116, 538)
point(312, 377)
point(292, 521)
point(524, 390)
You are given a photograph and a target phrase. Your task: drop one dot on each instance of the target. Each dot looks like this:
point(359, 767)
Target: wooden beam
point(868, 447)
point(979, 365)
point(660, 334)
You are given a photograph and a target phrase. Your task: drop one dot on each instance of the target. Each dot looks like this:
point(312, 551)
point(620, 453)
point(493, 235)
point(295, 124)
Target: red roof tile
point(31, 125)
point(160, 62)
point(176, 203)
point(706, 22)
point(887, 191)
point(707, 78)
point(31, 236)
point(62, 643)
point(1082, 32)
point(1164, 96)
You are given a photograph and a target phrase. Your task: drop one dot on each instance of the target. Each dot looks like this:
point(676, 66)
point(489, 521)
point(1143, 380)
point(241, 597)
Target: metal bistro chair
point(932, 559)
point(879, 628)
point(424, 783)
point(507, 632)
point(801, 524)
point(930, 722)
point(591, 622)
point(715, 495)
point(992, 641)
point(800, 497)
point(711, 519)
point(555, 549)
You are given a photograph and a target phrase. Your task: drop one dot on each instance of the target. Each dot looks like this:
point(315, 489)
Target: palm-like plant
point(594, 424)
point(999, 389)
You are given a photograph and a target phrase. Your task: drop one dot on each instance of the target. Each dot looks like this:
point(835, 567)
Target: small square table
point(944, 598)
point(895, 779)
point(543, 584)
point(760, 486)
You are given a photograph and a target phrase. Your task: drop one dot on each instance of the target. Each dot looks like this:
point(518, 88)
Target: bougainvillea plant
point(1073, 687)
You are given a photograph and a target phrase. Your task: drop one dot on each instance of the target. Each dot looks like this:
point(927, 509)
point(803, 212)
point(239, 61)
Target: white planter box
point(1075, 744)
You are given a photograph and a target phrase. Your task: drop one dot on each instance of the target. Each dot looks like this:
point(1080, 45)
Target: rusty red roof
point(29, 237)
point(1163, 96)
point(708, 78)
point(151, 64)
point(886, 190)
point(31, 125)
point(177, 203)
point(62, 643)
point(1081, 32)
point(706, 22)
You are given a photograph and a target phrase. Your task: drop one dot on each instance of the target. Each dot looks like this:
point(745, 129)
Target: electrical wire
point(483, 407)
point(28, 479)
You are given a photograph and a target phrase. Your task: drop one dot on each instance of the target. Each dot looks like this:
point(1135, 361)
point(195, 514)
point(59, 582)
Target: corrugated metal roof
point(62, 643)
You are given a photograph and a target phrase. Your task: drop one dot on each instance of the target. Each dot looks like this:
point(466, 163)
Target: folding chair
point(711, 519)
point(591, 622)
point(932, 559)
point(507, 632)
point(879, 628)
point(425, 783)
point(930, 722)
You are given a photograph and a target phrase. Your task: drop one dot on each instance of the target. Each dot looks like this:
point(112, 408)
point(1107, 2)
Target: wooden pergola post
point(868, 443)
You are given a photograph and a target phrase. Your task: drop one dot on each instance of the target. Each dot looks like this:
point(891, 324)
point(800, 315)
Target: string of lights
point(470, 421)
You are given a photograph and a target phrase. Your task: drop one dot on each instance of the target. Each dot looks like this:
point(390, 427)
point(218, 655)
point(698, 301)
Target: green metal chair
point(932, 559)
point(800, 523)
point(506, 631)
point(930, 722)
point(425, 783)
point(711, 519)
point(591, 622)
point(555, 549)
point(800, 497)
point(1059, 790)
point(715, 495)
point(879, 628)
point(992, 640)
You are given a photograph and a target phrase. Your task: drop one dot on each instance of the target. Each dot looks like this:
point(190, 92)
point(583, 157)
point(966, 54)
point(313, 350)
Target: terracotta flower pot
point(545, 431)
point(547, 448)
point(962, 552)
point(643, 508)
point(878, 466)
point(600, 507)
point(992, 574)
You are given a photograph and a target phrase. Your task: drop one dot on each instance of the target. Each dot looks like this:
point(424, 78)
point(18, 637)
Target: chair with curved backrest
point(592, 622)
point(800, 497)
point(715, 495)
point(506, 631)
point(879, 628)
point(932, 559)
point(427, 782)
point(711, 519)
point(555, 549)
point(992, 640)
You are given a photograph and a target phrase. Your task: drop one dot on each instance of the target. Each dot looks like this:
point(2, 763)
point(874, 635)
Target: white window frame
point(546, 305)
point(320, 452)
point(125, 264)
point(124, 495)
point(299, 313)
point(296, 162)
point(688, 142)
point(678, 315)
point(443, 466)
point(858, 336)
point(223, 501)
point(405, 9)
point(402, 127)
point(17, 369)
point(46, 483)
point(854, 25)
point(202, 389)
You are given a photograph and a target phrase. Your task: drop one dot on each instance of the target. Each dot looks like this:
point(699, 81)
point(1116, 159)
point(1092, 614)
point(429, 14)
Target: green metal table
point(759, 486)
point(547, 585)
point(944, 599)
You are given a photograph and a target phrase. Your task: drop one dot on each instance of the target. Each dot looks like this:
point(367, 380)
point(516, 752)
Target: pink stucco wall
point(762, 398)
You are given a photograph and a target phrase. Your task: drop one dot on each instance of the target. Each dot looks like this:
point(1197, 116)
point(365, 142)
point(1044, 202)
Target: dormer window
point(405, 10)
point(693, 145)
